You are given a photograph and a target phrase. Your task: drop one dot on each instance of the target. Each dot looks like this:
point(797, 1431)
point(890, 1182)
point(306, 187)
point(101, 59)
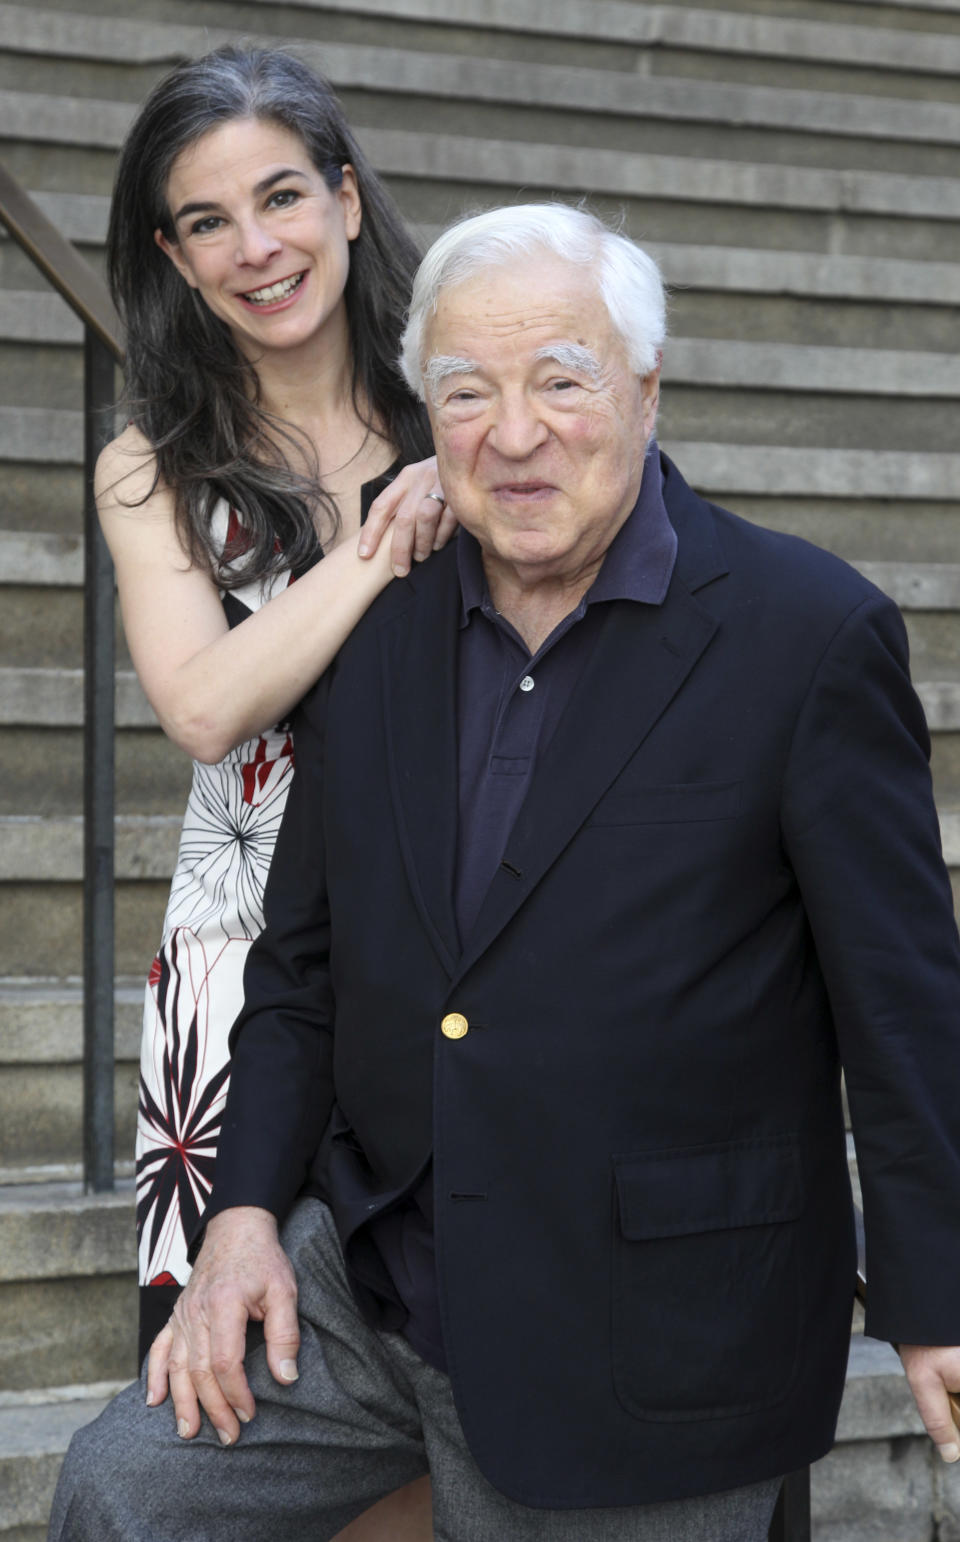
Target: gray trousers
point(366, 1416)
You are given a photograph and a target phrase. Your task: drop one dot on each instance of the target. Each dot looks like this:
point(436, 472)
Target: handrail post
point(98, 784)
point(791, 1518)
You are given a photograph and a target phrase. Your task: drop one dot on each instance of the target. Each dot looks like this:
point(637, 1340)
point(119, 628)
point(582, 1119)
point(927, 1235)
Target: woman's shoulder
point(126, 471)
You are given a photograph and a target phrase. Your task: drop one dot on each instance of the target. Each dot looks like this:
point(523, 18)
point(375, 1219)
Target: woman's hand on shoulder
point(414, 512)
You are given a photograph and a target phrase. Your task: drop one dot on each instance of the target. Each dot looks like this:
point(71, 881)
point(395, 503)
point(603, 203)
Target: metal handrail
point(61, 263)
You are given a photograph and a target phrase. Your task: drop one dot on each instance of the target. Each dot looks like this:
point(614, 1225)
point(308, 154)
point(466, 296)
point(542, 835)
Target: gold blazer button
point(454, 1025)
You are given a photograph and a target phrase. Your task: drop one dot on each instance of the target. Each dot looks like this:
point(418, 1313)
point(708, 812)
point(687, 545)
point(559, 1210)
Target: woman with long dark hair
point(262, 273)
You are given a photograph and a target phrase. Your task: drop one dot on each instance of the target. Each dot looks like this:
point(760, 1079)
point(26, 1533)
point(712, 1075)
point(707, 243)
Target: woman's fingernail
point(183, 1428)
point(400, 572)
point(288, 1370)
point(243, 1417)
point(226, 1439)
point(950, 1452)
point(149, 1399)
point(363, 549)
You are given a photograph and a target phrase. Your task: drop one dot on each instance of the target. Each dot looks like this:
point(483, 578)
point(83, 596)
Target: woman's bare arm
point(211, 687)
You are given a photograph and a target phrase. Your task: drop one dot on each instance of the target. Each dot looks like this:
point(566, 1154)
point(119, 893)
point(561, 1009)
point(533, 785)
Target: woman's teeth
point(274, 292)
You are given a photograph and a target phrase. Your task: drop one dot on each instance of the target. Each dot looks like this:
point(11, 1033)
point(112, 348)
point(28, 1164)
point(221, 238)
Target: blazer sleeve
point(861, 831)
point(281, 1084)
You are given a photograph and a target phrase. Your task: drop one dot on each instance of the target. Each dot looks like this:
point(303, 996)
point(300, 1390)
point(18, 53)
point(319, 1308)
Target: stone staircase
point(798, 175)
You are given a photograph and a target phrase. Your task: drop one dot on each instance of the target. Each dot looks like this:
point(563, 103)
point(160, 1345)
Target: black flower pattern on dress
point(175, 1172)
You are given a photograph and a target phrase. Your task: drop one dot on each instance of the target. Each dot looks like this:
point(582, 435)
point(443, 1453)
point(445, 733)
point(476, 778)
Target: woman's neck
point(312, 381)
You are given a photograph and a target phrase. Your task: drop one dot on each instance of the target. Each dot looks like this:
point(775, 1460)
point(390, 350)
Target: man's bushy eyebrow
point(442, 365)
point(573, 356)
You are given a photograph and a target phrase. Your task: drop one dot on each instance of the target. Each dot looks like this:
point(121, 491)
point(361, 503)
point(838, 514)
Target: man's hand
point(933, 1374)
point(242, 1272)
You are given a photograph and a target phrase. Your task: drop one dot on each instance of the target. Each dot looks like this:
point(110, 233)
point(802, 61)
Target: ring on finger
point(438, 498)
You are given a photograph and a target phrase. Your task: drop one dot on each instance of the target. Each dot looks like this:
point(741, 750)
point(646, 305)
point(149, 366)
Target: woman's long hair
point(188, 387)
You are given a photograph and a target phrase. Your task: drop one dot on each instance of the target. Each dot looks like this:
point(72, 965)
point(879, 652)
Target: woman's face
point(260, 236)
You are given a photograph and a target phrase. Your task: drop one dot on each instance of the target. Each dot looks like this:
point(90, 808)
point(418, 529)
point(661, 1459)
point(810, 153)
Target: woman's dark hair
point(188, 388)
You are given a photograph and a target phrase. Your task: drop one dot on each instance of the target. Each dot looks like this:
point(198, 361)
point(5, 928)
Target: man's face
point(539, 422)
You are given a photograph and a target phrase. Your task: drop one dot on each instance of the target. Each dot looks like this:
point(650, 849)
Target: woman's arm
point(211, 687)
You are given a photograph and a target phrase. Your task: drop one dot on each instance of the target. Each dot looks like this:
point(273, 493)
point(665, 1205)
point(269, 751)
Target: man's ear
point(650, 395)
point(173, 250)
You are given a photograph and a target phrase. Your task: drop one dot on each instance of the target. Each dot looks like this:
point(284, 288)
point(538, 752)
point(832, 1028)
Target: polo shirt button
point(526, 684)
point(454, 1025)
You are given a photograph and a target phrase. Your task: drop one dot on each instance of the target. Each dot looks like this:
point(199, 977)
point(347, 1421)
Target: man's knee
point(107, 1469)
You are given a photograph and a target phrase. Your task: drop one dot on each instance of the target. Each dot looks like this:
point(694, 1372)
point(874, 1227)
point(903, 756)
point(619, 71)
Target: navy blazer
point(726, 877)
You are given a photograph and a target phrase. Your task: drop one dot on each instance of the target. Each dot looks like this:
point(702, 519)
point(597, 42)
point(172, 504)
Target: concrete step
point(522, 90)
point(774, 471)
point(42, 375)
point(41, 1080)
point(37, 316)
point(50, 850)
point(41, 772)
point(41, 1111)
point(41, 1021)
point(825, 398)
point(67, 1285)
point(789, 367)
point(907, 215)
point(41, 926)
point(36, 496)
point(863, 37)
point(53, 698)
point(652, 34)
point(41, 626)
point(888, 529)
point(35, 1430)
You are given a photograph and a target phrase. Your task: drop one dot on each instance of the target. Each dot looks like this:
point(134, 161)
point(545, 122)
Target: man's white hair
point(628, 280)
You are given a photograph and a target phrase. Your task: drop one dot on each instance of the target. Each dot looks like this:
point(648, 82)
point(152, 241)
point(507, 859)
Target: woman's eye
point(283, 198)
point(203, 227)
point(563, 385)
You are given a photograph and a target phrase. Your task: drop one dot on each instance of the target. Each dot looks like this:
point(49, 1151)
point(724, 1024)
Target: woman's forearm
point(250, 677)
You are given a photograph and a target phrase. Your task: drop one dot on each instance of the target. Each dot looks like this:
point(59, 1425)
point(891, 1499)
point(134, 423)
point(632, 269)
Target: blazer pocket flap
point(709, 1188)
point(676, 804)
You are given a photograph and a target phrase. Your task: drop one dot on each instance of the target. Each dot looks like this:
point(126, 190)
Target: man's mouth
point(271, 293)
point(524, 489)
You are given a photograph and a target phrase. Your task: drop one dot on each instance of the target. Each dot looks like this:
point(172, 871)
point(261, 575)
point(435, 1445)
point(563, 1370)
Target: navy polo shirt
point(509, 705)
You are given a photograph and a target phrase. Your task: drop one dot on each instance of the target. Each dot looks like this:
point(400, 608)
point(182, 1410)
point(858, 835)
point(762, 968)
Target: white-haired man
point(612, 830)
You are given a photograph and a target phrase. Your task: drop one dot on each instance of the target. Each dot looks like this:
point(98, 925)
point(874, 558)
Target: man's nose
point(518, 429)
point(255, 245)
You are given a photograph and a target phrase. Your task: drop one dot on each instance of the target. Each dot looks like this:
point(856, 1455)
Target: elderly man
point(612, 832)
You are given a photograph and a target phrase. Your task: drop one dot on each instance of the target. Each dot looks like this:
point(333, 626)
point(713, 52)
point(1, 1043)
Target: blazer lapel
point(644, 655)
point(418, 646)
